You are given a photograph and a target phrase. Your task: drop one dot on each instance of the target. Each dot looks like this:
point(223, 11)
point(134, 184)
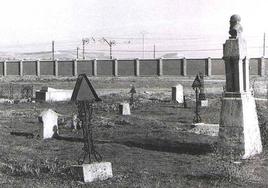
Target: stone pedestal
point(177, 93)
point(239, 131)
point(92, 172)
point(124, 109)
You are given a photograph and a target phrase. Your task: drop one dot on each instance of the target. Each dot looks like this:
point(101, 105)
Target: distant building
point(173, 55)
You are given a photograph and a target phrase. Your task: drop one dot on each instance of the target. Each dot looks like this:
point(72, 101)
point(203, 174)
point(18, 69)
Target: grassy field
point(153, 147)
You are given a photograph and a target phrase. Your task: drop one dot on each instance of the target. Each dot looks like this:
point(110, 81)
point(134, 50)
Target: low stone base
point(205, 129)
point(239, 132)
point(92, 172)
point(124, 109)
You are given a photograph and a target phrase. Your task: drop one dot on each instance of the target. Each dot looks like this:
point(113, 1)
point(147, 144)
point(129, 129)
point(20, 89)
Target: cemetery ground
point(156, 146)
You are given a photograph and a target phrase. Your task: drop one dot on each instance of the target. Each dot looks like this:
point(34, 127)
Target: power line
point(171, 50)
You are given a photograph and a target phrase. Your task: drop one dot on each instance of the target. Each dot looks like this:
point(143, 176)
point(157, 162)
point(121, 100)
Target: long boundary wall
point(125, 67)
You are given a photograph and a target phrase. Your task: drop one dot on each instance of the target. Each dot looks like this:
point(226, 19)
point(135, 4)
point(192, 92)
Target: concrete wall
point(172, 67)
point(29, 68)
point(13, 68)
point(253, 66)
point(1, 68)
point(84, 67)
point(126, 67)
point(194, 66)
point(148, 67)
point(46, 67)
point(65, 68)
point(217, 67)
point(129, 67)
point(105, 67)
point(266, 66)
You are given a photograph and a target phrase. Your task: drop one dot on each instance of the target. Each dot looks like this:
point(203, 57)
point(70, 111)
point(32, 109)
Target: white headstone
point(92, 172)
point(49, 118)
point(124, 108)
point(177, 93)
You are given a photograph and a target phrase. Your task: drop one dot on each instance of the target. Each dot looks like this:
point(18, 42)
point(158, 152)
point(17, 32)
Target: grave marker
point(50, 94)
point(27, 92)
point(124, 108)
point(202, 96)
point(84, 95)
point(196, 86)
point(239, 131)
point(49, 120)
point(177, 93)
point(84, 90)
point(92, 172)
point(132, 92)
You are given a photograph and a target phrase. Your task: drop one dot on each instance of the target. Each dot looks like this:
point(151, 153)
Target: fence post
point(115, 67)
point(160, 67)
point(38, 68)
point(21, 68)
point(75, 67)
point(56, 70)
point(137, 67)
point(208, 66)
point(184, 67)
point(261, 67)
point(94, 67)
point(5, 68)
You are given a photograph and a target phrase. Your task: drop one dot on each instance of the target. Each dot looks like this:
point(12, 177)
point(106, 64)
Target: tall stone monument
point(239, 131)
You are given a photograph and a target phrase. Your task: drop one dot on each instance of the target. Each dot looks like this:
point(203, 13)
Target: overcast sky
point(33, 21)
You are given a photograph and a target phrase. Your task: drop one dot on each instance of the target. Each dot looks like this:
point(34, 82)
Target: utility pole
point(53, 51)
point(84, 42)
point(143, 46)
point(143, 43)
point(110, 43)
point(77, 52)
point(154, 51)
point(263, 54)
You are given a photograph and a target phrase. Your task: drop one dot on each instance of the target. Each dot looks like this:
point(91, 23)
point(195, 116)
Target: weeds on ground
point(35, 168)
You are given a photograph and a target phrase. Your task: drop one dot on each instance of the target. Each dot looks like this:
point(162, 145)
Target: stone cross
point(202, 95)
point(132, 92)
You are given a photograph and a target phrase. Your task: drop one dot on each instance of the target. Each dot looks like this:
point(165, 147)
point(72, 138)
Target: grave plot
point(152, 146)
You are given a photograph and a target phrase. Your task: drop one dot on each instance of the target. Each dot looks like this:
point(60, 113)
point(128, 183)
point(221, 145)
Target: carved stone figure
point(235, 27)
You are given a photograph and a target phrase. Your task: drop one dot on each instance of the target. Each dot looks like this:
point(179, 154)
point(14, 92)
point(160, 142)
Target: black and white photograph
point(133, 93)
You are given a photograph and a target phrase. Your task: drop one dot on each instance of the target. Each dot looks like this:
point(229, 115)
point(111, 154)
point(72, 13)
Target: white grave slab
point(177, 93)
point(205, 129)
point(92, 172)
point(124, 108)
point(204, 103)
point(49, 118)
point(52, 95)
